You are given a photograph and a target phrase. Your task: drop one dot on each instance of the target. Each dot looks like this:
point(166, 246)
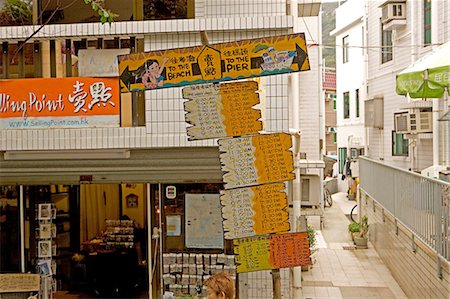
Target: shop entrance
point(86, 241)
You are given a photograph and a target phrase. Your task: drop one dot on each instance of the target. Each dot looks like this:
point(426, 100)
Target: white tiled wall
point(277, 104)
point(97, 138)
point(220, 8)
point(139, 28)
point(164, 107)
point(258, 285)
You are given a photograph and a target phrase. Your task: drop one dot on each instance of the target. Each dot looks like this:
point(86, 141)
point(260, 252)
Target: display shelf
point(185, 273)
point(119, 233)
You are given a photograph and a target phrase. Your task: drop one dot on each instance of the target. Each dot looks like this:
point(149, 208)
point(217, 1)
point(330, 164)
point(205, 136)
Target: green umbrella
point(428, 77)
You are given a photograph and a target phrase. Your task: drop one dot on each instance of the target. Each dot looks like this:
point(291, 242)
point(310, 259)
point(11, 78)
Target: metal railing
point(422, 204)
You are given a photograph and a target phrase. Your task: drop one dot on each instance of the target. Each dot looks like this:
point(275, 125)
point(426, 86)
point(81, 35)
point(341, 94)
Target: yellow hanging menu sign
point(252, 254)
point(272, 252)
point(257, 210)
point(213, 63)
point(223, 110)
point(256, 160)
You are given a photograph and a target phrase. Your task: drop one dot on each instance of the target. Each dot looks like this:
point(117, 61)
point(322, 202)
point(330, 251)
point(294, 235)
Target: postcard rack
point(46, 249)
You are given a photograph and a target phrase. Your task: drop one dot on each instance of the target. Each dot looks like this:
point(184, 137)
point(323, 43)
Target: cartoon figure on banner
point(153, 73)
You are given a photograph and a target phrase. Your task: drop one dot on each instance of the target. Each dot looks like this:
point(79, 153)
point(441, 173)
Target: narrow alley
point(340, 270)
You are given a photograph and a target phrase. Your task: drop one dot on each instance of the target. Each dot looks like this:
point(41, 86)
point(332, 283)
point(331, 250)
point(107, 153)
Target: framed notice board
point(203, 221)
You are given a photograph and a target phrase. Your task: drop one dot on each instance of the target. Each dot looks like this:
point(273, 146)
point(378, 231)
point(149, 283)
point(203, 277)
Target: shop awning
point(428, 77)
point(162, 165)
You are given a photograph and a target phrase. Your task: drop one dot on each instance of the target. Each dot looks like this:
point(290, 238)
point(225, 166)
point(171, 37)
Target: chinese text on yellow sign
point(257, 210)
point(223, 110)
point(272, 252)
point(213, 63)
point(255, 160)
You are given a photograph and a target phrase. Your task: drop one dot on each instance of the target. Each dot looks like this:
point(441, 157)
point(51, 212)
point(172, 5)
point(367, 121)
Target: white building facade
point(425, 23)
point(385, 44)
point(350, 83)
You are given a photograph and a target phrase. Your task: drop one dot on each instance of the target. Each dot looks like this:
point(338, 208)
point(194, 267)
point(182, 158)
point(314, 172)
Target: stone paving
point(341, 270)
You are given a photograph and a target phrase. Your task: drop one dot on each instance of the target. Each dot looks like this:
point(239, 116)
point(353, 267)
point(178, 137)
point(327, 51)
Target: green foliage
point(19, 12)
point(311, 237)
point(329, 42)
point(364, 227)
point(354, 227)
point(16, 12)
point(361, 229)
point(105, 14)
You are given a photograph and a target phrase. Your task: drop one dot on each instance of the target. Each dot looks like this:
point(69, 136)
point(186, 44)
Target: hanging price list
point(255, 210)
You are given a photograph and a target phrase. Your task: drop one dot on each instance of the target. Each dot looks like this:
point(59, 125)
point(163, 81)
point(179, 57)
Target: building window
point(357, 102)
point(167, 9)
point(335, 137)
point(399, 144)
point(342, 156)
point(18, 59)
point(427, 22)
point(346, 104)
point(397, 10)
point(345, 49)
point(386, 45)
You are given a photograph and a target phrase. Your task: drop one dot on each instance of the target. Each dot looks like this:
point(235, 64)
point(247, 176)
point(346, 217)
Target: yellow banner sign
point(223, 110)
point(213, 63)
point(255, 211)
point(256, 160)
point(272, 252)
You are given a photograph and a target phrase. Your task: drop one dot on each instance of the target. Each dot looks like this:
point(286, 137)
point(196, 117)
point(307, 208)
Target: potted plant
point(353, 229)
point(312, 244)
point(360, 238)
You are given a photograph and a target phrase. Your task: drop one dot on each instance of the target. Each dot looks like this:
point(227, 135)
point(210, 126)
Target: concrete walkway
point(340, 270)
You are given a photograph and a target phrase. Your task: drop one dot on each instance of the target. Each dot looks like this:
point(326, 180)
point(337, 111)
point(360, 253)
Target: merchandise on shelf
point(185, 273)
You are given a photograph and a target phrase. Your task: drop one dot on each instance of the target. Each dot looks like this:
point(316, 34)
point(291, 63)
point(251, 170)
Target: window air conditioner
point(393, 11)
point(401, 122)
point(310, 188)
point(393, 14)
point(420, 122)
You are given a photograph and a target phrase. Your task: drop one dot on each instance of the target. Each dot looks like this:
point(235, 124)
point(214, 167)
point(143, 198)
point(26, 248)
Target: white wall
point(350, 76)
point(310, 91)
point(381, 81)
point(349, 12)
